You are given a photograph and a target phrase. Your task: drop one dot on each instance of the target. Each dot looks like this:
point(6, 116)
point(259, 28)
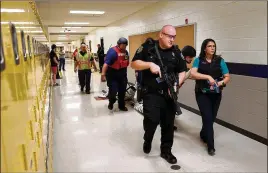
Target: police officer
point(211, 74)
point(83, 63)
point(158, 107)
point(115, 70)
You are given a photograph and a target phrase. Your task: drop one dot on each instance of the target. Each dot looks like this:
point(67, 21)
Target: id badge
point(159, 80)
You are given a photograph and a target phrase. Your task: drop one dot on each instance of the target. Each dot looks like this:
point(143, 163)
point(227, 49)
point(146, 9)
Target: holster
point(139, 94)
point(141, 91)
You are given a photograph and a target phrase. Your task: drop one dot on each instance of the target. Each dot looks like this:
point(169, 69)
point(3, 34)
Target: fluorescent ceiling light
point(29, 27)
point(87, 12)
point(76, 23)
point(67, 31)
point(72, 27)
point(22, 23)
point(38, 35)
point(6, 10)
point(33, 31)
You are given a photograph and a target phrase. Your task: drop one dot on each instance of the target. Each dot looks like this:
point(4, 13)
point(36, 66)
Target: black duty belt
point(159, 92)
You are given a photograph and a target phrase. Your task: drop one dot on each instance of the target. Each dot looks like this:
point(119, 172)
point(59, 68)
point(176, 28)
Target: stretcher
point(130, 93)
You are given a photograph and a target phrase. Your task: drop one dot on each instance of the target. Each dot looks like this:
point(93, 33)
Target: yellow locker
point(3, 158)
point(21, 132)
point(13, 98)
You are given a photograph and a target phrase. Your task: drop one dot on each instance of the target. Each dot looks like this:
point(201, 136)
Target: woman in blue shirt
point(211, 74)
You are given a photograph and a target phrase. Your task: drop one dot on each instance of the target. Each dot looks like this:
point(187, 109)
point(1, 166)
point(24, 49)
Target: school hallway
point(90, 138)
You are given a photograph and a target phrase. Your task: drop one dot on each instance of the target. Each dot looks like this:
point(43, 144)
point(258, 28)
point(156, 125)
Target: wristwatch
point(223, 84)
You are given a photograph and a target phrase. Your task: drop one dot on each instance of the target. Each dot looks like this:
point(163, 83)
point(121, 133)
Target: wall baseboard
point(230, 126)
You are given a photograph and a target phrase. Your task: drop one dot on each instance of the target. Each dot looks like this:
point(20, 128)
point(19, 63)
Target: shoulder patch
point(140, 49)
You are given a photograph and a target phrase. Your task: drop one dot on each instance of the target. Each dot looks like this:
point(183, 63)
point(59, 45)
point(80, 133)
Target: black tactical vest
point(149, 80)
point(213, 69)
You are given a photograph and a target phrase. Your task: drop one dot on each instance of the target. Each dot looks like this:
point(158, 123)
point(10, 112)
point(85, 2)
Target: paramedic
point(83, 63)
point(115, 67)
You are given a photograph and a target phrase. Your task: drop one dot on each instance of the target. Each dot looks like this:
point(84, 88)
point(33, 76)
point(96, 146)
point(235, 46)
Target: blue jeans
point(62, 64)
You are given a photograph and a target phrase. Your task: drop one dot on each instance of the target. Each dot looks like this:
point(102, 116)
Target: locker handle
point(32, 130)
point(24, 155)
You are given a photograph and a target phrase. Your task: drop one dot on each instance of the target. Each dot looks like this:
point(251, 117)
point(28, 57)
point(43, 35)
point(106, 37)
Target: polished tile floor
point(90, 138)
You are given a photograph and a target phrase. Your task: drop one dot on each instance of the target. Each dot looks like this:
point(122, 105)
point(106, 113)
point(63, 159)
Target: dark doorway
point(102, 42)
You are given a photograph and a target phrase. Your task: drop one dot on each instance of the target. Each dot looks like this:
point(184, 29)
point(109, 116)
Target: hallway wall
point(240, 31)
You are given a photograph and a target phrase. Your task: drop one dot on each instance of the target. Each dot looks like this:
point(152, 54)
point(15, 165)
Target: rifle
point(169, 79)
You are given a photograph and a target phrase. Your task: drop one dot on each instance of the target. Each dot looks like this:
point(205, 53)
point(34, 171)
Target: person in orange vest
point(83, 64)
point(115, 71)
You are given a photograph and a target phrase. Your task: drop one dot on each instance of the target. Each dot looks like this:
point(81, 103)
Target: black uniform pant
point(157, 109)
point(84, 78)
point(101, 62)
point(208, 105)
point(117, 85)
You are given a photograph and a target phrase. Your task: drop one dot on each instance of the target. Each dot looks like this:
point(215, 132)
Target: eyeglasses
point(169, 36)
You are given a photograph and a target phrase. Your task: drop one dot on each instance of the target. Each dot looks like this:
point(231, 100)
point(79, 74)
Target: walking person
point(211, 74)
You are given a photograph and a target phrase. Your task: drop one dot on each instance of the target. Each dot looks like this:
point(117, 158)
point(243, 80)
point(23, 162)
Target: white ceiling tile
point(55, 13)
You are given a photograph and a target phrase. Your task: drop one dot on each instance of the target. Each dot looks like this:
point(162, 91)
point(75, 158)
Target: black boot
point(168, 156)
point(211, 151)
point(147, 146)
